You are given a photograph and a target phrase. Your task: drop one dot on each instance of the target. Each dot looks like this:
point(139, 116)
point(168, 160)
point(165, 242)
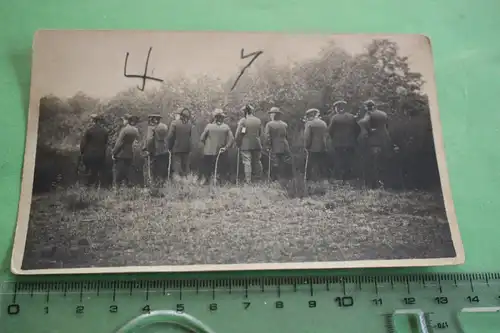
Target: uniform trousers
point(252, 164)
point(181, 164)
point(123, 170)
point(376, 166)
point(208, 167)
point(317, 166)
point(95, 167)
point(278, 163)
point(343, 161)
point(159, 168)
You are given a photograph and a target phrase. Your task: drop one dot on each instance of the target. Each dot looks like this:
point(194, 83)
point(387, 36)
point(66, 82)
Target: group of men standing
point(348, 136)
point(163, 146)
point(166, 146)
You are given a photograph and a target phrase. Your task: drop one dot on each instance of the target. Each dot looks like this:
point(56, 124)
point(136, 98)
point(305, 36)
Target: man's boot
point(248, 176)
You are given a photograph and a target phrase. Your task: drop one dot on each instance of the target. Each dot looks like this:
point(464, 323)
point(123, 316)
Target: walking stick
point(238, 167)
point(269, 167)
point(77, 170)
point(216, 164)
point(113, 171)
point(305, 169)
point(148, 161)
point(169, 164)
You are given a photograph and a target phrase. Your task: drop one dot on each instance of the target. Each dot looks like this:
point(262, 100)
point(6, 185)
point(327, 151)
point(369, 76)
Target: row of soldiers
point(171, 145)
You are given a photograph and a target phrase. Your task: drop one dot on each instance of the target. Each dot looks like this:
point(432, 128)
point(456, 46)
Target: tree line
point(379, 73)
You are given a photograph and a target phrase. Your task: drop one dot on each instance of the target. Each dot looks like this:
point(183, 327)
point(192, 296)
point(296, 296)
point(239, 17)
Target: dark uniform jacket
point(248, 133)
point(374, 129)
point(94, 142)
point(124, 146)
point(276, 136)
point(315, 135)
point(179, 136)
point(215, 137)
point(344, 130)
point(156, 139)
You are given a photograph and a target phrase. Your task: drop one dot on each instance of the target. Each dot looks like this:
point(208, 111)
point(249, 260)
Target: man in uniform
point(156, 149)
point(217, 137)
point(276, 132)
point(93, 150)
point(123, 151)
point(315, 137)
point(378, 143)
point(344, 131)
point(179, 142)
point(247, 138)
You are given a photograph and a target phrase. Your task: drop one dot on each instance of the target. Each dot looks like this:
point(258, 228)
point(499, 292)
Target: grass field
point(186, 223)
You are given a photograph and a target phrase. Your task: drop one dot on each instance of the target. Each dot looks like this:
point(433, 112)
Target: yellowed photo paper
point(153, 151)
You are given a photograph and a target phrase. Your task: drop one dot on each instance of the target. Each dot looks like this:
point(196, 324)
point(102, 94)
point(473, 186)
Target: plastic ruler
point(390, 303)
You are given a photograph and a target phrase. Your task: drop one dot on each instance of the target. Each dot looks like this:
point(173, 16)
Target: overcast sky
point(92, 61)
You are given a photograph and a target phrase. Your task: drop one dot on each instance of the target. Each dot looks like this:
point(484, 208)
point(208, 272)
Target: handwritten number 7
point(244, 56)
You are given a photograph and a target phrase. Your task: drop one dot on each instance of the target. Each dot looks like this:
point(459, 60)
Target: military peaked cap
point(219, 112)
point(247, 107)
point(369, 102)
point(184, 112)
point(312, 111)
point(339, 102)
point(131, 117)
point(274, 109)
point(154, 115)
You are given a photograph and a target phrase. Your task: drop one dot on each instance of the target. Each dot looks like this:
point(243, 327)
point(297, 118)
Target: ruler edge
point(127, 282)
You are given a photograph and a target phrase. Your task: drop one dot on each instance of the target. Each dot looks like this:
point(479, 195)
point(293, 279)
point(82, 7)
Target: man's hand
point(113, 157)
point(396, 149)
point(223, 149)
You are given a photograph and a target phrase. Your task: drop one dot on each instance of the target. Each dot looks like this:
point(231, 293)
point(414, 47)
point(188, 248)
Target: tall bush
point(379, 73)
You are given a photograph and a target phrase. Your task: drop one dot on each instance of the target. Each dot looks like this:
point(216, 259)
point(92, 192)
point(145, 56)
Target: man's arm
point(237, 135)
point(149, 142)
point(83, 142)
point(119, 143)
point(204, 134)
point(307, 137)
point(363, 126)
point(229, 138)
point(394, 145)
point(325, 135)
point(171, 135)
point(387, 128)
point(287, 145)
point(330, 125)
point(267, 136)
point(357, 129)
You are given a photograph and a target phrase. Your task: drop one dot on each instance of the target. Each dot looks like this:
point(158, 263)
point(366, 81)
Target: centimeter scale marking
point(427, 300)
point(265, 283)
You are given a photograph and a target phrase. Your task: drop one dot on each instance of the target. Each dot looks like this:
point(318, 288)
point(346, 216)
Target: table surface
point(467, 60)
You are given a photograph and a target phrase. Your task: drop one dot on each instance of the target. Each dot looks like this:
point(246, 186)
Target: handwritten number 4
point(144, 76)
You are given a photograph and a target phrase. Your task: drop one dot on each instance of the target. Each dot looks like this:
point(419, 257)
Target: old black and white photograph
point(152, 151)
